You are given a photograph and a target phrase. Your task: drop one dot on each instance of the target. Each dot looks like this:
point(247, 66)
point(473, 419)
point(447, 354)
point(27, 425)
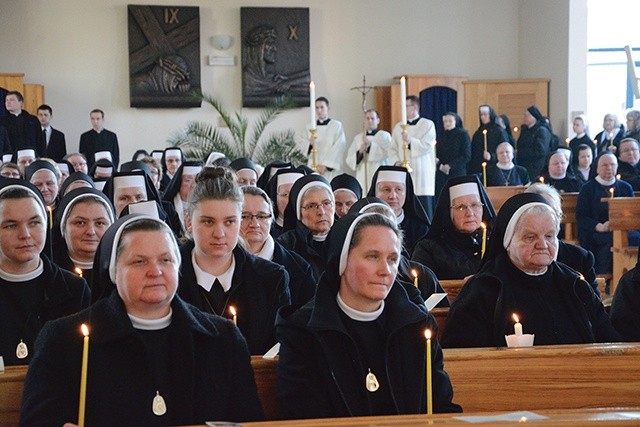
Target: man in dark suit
point(53, 139)
point(99, 139)
point(22, 127)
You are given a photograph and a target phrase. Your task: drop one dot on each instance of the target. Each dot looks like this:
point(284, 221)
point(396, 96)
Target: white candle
point(427, 335)
point(517, 328)
point(312, 104)
point(83, 375)
point(403, 99)
point(232, 309)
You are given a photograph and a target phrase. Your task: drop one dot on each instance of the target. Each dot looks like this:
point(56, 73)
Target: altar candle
point(232, 309)
point(484, 133)
point(78, 271)
point(484, 174)
point(517, 328)
point(611, 192)
point(427, 334)
point(403, 99)
point(414, 273)
point(312, 104)
point(484, 239)
point(83, 375)
point(50, 217)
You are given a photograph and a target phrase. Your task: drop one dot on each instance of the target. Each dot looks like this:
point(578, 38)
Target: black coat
point(302, 281)
point(60, 294)
point(534, 145)
point(451, 255)
point(209, 373)
point(603, 142)
point(5, 143)
point(576, 142)
point(259, 288)
point(495, 136)
point(453, 149)
point(414, 230)
point(581, 260)
point(625, 308)
point(57, 147)
point(300, 241)
point(92, 142)
point(23, 132)
point(516, 176)
point(481, 315)
point(321, 370)
point(568, 184)
point(629, 173)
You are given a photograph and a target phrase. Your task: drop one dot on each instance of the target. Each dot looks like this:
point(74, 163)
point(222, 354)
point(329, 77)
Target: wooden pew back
point(11, 386)
point(624, 215)
point(452, 288)
point(499, 195)
point(569, 218)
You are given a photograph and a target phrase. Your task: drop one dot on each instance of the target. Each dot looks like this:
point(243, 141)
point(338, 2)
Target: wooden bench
point(452, 288)
point(499, 195)
point(624, 215)
point(484, 379)
point(569, 217)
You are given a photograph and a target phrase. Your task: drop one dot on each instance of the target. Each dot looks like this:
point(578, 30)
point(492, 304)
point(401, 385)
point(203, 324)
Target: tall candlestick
point(484, 239)
point(83, 375)
point(312, 104)
point(233, 312)
point(611, 192)
point(427, 334)
point(484, 174)
point(414, 273)
point(517, 328)
point(484, 134)
point(403, 99)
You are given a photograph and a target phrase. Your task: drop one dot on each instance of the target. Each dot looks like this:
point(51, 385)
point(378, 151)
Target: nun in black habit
point(625, 307)
point(278, 189)
point(408, 270)
point(495, 134)
point(307, 223)
point(76, 180)
point(453, 150)
point(357, 348)
point(245, 170)
point(519, 275)
point(270, 170)
point(394, 185)
point(347, 191)
point(172, 158)
point(178, 189)
point(453, 246)
point(33, 289)
point(534, 142)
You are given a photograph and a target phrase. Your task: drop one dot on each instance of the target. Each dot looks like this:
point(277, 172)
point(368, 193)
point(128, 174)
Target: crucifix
point(364, 90)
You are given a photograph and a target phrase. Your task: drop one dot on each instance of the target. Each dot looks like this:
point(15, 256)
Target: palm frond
point(279, 146)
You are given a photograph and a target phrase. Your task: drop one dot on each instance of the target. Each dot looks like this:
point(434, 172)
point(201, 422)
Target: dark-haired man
point(53, 139)
point(21, 126)
point(99, 139)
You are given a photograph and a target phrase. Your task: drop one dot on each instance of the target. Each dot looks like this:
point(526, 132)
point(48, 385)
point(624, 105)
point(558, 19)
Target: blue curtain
point(435, 101)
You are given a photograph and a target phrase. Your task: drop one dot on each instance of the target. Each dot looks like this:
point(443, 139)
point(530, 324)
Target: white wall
point(78, 50)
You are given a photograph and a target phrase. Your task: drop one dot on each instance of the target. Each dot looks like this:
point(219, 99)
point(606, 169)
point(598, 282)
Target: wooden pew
point(624, 215)
point(11, 386)
point(452, 288)
point(569, 218)
point(484, 379)
point(498, 195)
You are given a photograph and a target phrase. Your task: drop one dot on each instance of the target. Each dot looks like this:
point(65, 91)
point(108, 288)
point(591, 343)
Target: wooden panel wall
point(33, 93)
point(510, 97)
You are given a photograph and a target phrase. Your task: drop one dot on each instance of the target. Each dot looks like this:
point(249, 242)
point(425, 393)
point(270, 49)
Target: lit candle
point(484, 133)
point(414, 273)
point(403, 99)
point(484, 174)
point(83, 375)
point(611, 141)
point(427, 334)
point(618, 177)
point(232, 310)
point(542, 179)
point(515, 138)
point(78, 271)
point(50, 217)
point(611, 192)
point(567, 141)
point(312, 104)
point(517, 328)
point(484, 239)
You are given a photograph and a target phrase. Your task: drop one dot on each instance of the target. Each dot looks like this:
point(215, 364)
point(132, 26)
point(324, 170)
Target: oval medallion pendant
point(371, 382)
point(158, 407)
point(21, 350)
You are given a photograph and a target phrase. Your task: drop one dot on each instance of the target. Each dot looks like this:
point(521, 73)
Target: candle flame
point(515, 128)
point(427, 334)
point(542, 179)
point(516, 318)
point(312, 84)
point(78, 271)
point(85, 330)
point(618, 177)
point(483, 225)
point(581, 276)
point(414, 273)
point(232, 310)
point(611, 191)
point(484, 164)
point(49, 209)
point(484, 131)
point(567, 140)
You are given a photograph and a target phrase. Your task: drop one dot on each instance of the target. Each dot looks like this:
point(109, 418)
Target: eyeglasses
point(472, 206)
point(327, 204)
point(257, 217)
point(79, 164)
point(283, 195)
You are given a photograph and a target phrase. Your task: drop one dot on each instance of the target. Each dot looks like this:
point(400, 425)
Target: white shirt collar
point(151, 324)
point(24, 277)
point(361, 316)
point(206, 280)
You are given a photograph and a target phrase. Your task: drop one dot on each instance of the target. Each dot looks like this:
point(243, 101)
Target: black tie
point(217, 297)
point(44, 136)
